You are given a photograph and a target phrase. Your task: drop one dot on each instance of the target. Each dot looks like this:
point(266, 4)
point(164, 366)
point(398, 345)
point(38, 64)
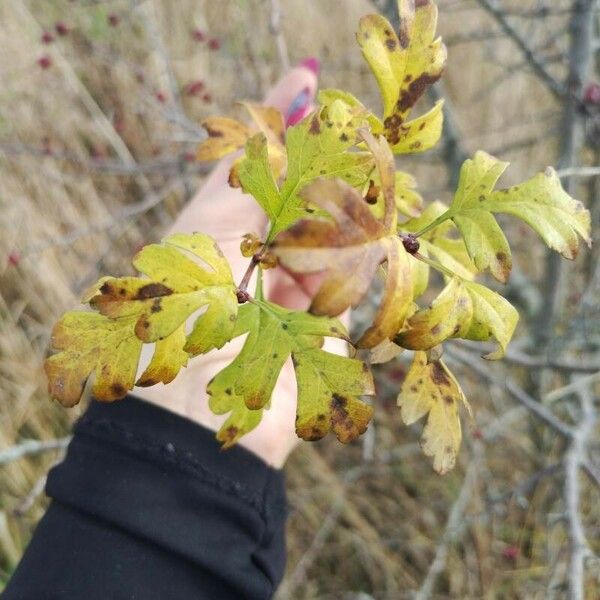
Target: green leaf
point(177, 286)
point(316, 147)
point(328, 385)
point(541, 202)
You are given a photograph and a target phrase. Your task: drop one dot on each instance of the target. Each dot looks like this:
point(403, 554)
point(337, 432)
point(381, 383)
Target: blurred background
point(100, 105)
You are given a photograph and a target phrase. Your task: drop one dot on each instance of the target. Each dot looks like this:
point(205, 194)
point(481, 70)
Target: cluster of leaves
point(336, 205)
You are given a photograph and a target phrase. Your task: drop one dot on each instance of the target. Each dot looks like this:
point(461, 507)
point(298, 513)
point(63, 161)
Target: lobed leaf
point(350, 249)
point(177, 287)
point(465, 310)
point(541, 202)
point(90, 343)
point(316, 147)
point(431, 390)
point(328, 385)
point(404, 66)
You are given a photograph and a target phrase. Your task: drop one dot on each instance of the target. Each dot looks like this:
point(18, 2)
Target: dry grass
point(365, 519)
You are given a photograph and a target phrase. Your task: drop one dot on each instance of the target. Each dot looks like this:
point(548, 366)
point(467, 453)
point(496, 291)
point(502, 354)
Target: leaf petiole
point(444, 217)
point(435, 265)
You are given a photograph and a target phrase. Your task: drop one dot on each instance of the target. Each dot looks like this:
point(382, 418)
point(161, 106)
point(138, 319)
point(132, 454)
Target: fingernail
point(299, 107)
point(312, 64)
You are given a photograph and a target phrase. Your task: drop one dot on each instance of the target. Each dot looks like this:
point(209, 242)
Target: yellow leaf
point(449, 316)
point(541, 202)
point(177, 286)
point(405, 66)
point(168, 359)
point(431, 389)
point(465, 310)
point(90, 343)
point(224, 137)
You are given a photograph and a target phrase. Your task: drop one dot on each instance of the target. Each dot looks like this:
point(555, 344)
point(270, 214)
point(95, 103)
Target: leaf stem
point(444, 217)
point(242, 289)
point(435, 265)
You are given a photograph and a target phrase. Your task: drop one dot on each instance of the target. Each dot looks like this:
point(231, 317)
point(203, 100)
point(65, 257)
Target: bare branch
point(557, 88)
point(275, 29)
point(29, 447)
point(575, 456)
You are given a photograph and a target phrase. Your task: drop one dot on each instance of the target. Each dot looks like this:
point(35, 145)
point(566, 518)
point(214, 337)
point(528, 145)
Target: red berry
point(198, 35)
point(14, 258)
point(113, 20)
point(45, 62)
point(592, 94)
point(214, 44)
point(47, 37)
point(189, 157)
point(161, 97)
point(207, 98)
point(61, 28)
point(194, 88)
point(477, 434)
point(510, 552)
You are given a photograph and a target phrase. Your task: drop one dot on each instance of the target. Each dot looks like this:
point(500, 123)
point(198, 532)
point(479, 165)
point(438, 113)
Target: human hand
point(227, 214)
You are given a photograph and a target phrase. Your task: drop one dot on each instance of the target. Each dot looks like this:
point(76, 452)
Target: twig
point(275, 29)
point(537, 66)
point(535, 407)
point(574, 457)
point(163, 166)
point(29, 447)
point(536, 362)
point(579, 172)
point(454, 525)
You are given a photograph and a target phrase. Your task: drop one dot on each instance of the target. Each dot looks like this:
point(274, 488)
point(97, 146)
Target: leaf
point(541, 202)
point(465, 310)
point(168, 359)
point(431, 389)
point(437, 244)
point(404, 67)
point(449, 316)
point(227, 135)
point(316, 147)
point(350, 249)
point(90, 343)
point(408, 201)
point(224, 137)
point(493, 317)
point(328, 385)
point(178, 286)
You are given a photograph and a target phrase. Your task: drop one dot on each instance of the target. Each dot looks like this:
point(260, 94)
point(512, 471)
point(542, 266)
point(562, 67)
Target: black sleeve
point(146, 506)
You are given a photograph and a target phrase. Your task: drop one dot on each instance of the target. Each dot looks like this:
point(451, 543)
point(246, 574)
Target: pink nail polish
point(299, 107)
point(312, 64)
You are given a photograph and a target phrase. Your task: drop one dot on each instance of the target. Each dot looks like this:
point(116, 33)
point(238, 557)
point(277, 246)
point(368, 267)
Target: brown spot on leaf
point(435, 330)
point(118, 390)
point(501, 257)
point(344, 137)
point(152, 290)
point(415, 90)
point(156, 307)
point(438, 375)
point(315, 126)
point(390, 44)
point(449, 400)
